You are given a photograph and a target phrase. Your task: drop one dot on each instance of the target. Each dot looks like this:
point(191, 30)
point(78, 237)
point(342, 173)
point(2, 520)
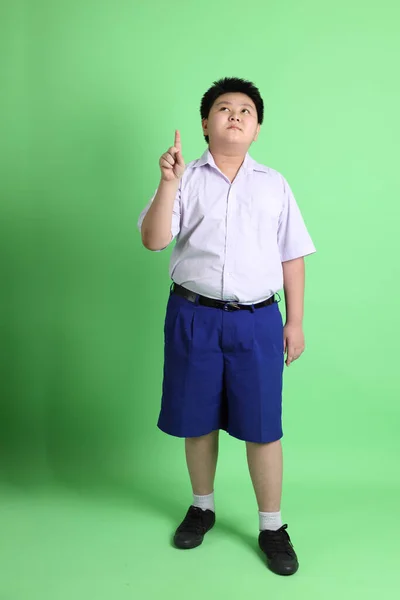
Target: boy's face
point(232, 109)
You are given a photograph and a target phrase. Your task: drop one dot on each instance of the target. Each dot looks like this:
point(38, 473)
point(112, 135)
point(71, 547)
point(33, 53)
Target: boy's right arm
point(156, 226)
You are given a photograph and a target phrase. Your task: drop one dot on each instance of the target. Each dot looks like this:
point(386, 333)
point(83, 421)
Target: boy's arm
point(156, 226)
point(293, 286)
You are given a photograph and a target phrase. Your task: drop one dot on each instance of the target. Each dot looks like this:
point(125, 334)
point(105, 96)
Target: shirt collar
point(249, 164)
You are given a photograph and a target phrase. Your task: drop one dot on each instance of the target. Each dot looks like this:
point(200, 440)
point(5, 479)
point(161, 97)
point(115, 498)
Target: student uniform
point(223, 332)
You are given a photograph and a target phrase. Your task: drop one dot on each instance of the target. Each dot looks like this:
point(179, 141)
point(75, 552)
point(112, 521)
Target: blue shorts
point(222, 370)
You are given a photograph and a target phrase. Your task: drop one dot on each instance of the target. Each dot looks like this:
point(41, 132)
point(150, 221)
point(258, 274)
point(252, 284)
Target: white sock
point(270, 520)
point(204, 502)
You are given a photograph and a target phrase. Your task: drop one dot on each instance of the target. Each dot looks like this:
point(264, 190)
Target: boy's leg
point(254, 391)
point(265, 463)
point(266, 467)
point(201, 459)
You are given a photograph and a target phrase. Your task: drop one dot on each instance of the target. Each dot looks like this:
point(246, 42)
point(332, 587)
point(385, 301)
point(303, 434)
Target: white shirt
point(231, 238)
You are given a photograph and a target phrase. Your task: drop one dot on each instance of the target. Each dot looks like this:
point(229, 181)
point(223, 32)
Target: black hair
point(228, 85)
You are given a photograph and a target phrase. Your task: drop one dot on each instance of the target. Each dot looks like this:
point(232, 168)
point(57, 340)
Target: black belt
point(225, 305)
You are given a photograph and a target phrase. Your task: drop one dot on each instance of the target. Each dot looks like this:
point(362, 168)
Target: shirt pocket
point(265, 211)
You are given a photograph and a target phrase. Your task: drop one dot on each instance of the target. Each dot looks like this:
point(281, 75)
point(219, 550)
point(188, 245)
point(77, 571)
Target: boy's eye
point(223, 108)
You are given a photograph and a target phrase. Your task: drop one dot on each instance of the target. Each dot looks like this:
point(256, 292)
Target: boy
point(240, 239)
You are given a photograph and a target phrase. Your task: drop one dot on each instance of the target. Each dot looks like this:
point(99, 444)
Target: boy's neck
point(228, 163)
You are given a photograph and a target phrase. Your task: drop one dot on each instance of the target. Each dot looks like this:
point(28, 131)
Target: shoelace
point(279, 541)
point(193, 521)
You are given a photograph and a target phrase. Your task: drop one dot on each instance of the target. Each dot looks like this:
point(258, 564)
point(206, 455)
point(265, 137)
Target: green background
point(91, 491)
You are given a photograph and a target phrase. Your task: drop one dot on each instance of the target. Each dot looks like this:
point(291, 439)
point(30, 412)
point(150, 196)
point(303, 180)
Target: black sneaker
point(194, 526)
point(281, 557)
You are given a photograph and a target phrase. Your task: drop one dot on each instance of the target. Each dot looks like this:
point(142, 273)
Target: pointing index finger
point(177, 142)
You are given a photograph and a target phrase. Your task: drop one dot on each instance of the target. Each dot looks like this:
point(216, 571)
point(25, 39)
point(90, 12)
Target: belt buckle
point(231, 305)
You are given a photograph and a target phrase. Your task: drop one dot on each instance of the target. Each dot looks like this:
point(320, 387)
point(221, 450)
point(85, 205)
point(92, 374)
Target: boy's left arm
point(293, 286)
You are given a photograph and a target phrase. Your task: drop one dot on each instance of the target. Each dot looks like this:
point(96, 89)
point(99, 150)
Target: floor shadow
point(167, 505)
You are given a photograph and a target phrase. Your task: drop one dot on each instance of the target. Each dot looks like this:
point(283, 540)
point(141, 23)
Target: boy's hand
point(171, 162)
point(293, 342)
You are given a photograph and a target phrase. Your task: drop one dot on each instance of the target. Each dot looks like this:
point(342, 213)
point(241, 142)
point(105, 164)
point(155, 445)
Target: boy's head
point(231, 101)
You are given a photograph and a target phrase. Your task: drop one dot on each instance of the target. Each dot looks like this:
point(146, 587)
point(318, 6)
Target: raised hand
point(171, 162)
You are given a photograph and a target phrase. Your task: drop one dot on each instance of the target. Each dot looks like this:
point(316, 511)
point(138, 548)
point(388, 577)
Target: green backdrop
point(90, 489)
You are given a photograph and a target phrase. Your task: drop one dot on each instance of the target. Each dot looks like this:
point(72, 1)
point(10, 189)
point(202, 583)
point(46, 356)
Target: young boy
point(240, 237)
